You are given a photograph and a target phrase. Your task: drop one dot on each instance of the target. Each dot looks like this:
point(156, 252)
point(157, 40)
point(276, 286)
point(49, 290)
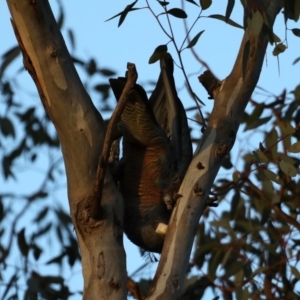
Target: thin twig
point(171, 36)
point(183, 71)
point(159, 23)
point(102, 163)
point(187, 31)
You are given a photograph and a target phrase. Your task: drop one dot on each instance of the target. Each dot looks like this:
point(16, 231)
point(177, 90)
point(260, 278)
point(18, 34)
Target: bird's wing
point(170, 114)
point(138, 121)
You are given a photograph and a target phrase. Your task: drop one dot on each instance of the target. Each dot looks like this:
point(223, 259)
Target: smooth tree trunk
point(231, 96)
point(81, 133)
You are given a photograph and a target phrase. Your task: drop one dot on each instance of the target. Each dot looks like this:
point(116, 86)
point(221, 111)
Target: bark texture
point(231, 98)
point(81, 132)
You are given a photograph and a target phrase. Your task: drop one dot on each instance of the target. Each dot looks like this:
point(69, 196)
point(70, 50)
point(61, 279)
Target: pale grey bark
point(81, 132)
point(230, 102)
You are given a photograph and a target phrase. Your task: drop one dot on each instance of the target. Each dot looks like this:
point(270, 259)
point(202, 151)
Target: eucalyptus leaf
point(195, 39)
point(177, 12)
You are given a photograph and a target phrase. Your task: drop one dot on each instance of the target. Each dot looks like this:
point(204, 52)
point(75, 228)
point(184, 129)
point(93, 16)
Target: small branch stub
point(210, 83)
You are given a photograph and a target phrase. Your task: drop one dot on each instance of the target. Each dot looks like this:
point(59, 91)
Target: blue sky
point(135, 41)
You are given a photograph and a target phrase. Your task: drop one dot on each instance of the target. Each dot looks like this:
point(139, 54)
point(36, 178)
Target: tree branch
point(229, 105)
point(134, 289)
point(81, 132)
point(103, 160)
